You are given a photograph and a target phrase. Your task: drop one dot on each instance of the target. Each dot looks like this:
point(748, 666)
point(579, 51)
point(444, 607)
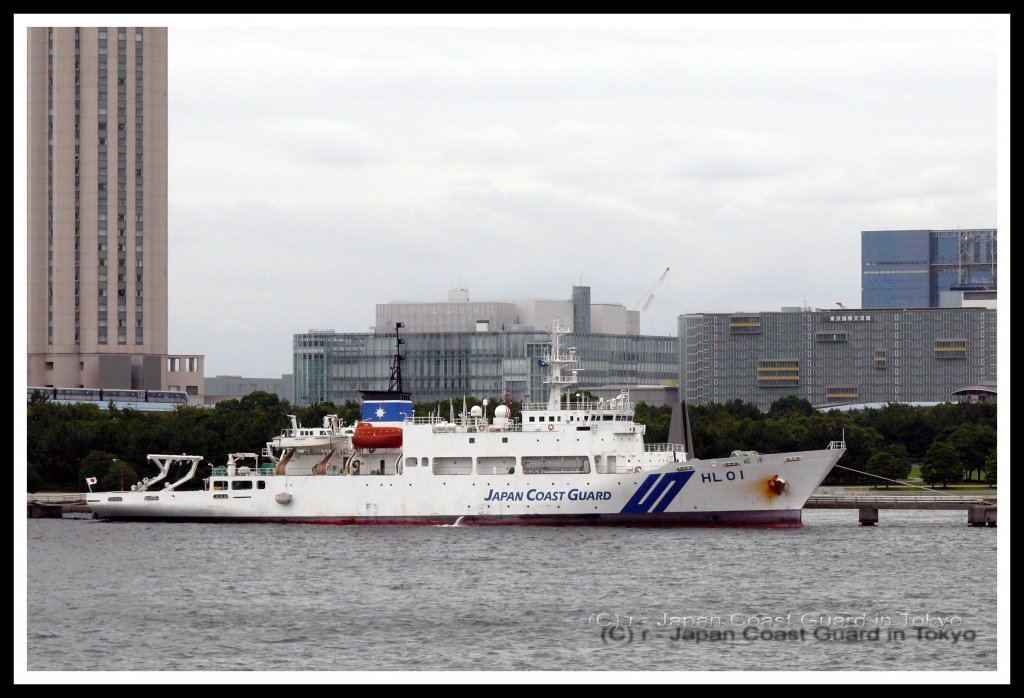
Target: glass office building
point(482, 349)
point(834, 358)
point(926, 268)
point(332, 366)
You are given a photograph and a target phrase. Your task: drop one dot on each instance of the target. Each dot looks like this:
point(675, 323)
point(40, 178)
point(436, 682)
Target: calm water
point(231, 597)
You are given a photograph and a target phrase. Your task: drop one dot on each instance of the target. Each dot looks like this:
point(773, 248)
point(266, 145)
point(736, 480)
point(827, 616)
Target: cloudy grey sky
point(316, 172)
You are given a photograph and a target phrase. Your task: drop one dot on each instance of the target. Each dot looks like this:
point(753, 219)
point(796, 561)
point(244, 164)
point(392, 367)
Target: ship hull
point(719, 492)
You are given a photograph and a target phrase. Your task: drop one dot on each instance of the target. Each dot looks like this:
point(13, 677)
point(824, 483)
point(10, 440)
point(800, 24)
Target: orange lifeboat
point(370, 437)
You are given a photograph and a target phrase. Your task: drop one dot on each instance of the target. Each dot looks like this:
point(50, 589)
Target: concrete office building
point(97, 206)
point(831, 358)
point(928, 268)
point(97, 210)
point(481, 349)
point(460, 314)
point(235, 387)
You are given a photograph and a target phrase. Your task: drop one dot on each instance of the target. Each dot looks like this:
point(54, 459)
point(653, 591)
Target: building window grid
point(49, 185)
point(121, 182)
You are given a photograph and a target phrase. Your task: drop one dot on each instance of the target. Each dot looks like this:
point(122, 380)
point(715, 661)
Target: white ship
point(556, 463)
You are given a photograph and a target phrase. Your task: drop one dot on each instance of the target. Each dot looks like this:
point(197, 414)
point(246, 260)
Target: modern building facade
point(97, 208)
point(836, 357)
point(460, 314)
point(334, 367)
point(927, 268)
point(185, 373)
point(482, 349)
point(663, 395)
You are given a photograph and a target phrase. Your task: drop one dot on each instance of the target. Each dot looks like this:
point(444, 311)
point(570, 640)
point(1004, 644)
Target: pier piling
point(38, 510)
point(981, 516)
point(868, 517)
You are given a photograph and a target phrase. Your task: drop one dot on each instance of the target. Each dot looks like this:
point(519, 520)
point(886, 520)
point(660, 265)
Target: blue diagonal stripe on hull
point(676, 482)
point(634, 505)
point(648, 493)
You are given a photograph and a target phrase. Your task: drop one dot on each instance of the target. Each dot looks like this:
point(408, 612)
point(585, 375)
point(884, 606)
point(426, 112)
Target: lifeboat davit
point(368, 436)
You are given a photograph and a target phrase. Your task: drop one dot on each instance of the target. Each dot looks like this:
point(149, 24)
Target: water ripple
point(263, 597)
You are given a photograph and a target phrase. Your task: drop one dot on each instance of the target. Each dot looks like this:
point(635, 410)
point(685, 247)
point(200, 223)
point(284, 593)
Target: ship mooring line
point(905, 484)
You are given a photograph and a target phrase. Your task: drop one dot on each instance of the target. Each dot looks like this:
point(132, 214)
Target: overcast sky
point(316, 172)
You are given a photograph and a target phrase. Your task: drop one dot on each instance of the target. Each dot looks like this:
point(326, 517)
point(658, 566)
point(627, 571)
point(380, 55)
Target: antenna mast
point(395, 386)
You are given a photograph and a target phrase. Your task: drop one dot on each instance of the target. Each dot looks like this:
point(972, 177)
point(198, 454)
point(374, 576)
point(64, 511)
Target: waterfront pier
point(53, 506)
point(981, 511)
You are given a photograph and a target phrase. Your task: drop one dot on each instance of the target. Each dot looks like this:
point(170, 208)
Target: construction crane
point(650, 292)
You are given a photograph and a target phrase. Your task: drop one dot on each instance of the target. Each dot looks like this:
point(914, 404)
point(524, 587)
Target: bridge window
point(241, 485)
point(261, 484)
point(220, 484)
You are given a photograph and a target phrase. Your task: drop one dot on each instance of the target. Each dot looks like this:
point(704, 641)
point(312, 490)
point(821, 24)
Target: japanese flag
point(91, 480)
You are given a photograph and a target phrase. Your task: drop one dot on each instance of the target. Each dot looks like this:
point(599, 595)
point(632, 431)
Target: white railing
point(614, 405)
point(868, 499)
point(443, 426)
point(836, 445)
point(664, 447)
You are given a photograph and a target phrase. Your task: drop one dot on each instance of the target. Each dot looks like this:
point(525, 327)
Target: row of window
point(221, 485)
point(174, 364)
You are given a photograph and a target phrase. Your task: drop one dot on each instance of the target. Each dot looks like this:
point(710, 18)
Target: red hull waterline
point(787, 518)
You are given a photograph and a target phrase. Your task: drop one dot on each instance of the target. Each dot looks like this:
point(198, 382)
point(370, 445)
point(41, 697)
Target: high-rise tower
point(97, 206)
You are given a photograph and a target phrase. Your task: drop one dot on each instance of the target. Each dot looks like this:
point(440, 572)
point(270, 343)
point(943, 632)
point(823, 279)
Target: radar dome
point(476, 411)
point(501, 411)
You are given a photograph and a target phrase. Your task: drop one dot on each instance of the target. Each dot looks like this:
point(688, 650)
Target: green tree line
point(952, 441)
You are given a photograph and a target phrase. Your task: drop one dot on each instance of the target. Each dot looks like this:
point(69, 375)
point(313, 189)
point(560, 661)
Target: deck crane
point(650, 292)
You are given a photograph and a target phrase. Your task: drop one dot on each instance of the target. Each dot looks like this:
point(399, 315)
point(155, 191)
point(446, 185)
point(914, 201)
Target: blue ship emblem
point(656, 491)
